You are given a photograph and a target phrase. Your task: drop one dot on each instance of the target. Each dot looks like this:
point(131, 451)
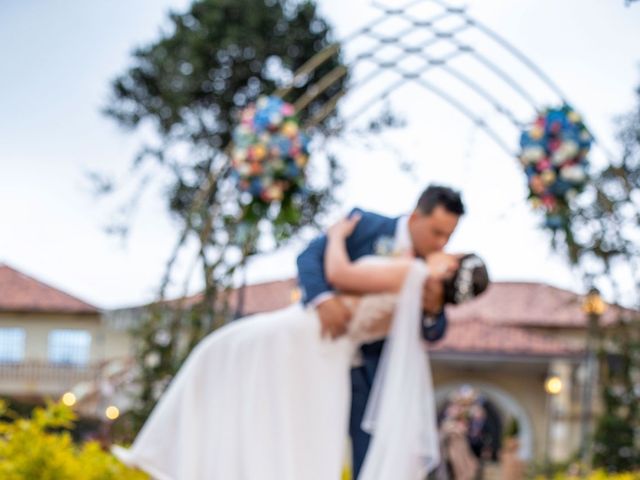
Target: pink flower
point(543, 165)
point(287, 110)
point(549, 202)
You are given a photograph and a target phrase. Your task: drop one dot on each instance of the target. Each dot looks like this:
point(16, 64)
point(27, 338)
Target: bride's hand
point(442, 266)
point(344, 227)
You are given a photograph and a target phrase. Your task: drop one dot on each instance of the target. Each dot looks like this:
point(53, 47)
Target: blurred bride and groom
point(278, 395)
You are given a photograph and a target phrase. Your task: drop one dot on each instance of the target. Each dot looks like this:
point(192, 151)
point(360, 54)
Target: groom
point(423, 233)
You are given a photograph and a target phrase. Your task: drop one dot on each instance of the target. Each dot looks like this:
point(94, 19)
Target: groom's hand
point(334, 317)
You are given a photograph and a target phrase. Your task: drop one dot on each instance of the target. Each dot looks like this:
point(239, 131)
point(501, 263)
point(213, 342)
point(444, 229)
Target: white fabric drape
point(266, 398)
point(400, 413)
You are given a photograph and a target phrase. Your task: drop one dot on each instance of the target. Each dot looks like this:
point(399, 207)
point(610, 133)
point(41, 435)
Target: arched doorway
point(500, 406)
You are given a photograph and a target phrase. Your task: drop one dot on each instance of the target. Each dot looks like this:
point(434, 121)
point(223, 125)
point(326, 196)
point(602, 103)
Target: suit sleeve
point(434, 327)
point(311, 270)
point(310, 262)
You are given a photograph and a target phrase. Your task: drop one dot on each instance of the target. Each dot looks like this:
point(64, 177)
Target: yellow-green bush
point(346, 473)
point(38, 448)
point(597, 475)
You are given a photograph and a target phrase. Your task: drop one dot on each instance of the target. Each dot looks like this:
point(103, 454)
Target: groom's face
point(431, 232)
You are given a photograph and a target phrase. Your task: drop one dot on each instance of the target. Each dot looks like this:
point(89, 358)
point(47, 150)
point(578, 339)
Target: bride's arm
point(360, 277)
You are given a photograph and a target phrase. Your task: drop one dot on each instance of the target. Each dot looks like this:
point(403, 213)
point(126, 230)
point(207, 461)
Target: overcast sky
point(59, 57)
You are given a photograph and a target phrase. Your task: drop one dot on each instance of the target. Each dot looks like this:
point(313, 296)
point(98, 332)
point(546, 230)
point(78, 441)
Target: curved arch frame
point(420, 50)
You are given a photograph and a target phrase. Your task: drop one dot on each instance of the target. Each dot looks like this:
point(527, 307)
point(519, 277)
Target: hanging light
point(553, 385)
point(593, 303)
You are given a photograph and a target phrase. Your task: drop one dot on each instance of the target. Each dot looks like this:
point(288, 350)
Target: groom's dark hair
point(437, 195)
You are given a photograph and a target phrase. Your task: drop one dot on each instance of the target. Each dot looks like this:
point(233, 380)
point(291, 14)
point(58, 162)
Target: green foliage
point(189, 87)
point(513, 428)
point(614, 243)
point(616, 441)
point(572, 469)
point(595, 238)
point(601, 241)
point(41, 448)
point(597, 475)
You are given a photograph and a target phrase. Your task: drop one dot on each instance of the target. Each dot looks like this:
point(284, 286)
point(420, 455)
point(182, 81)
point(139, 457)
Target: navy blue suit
point(363, 241)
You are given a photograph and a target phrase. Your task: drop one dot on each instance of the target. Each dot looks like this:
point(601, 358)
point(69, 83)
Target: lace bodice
point(372, 316)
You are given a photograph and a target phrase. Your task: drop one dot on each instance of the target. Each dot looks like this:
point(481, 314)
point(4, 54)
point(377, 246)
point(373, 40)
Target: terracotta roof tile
point(478, 337)
point(528, 304)
point(265, 297)
point(504, 303)
point(22, 293)
point(496, 323)
point(259, 297)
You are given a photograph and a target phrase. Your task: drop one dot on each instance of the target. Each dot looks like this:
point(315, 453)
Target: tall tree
point(617, 244)
point(602, 234)
point(602, 239)
point(189, 86)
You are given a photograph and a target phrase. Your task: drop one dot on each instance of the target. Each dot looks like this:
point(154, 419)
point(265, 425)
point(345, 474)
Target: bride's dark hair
point(469, 281)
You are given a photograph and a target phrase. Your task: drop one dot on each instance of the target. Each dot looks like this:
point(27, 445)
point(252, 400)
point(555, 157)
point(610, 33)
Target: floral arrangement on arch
point(270, 152)
point(553, 154)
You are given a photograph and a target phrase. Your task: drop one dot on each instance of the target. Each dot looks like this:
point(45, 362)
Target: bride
point(267, 398)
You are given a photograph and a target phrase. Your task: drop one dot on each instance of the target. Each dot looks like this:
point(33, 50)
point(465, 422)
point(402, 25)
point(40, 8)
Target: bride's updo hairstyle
point(469, 281)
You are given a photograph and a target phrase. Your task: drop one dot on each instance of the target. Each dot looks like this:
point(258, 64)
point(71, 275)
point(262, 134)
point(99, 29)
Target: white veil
point(400, 413)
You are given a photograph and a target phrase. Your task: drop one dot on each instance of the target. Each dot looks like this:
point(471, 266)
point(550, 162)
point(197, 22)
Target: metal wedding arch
point(418, 38)
point(406, 44)
point(410, 42)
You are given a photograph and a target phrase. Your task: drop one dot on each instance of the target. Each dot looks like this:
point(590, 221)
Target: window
point(11, 345)
point(70, 347)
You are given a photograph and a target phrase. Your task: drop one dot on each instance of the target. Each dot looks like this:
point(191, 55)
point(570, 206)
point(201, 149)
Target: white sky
point(59, 57)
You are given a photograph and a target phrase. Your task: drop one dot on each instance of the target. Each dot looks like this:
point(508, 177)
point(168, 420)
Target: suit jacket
point(372, 232)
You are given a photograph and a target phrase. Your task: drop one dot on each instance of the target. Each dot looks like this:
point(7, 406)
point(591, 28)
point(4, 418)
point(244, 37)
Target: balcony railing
point(43, 378)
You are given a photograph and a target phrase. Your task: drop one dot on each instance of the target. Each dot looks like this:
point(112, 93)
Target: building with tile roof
point(50, 340)
point(503, 345)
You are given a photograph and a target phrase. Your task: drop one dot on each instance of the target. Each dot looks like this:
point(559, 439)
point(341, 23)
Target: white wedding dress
point(265, 398)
